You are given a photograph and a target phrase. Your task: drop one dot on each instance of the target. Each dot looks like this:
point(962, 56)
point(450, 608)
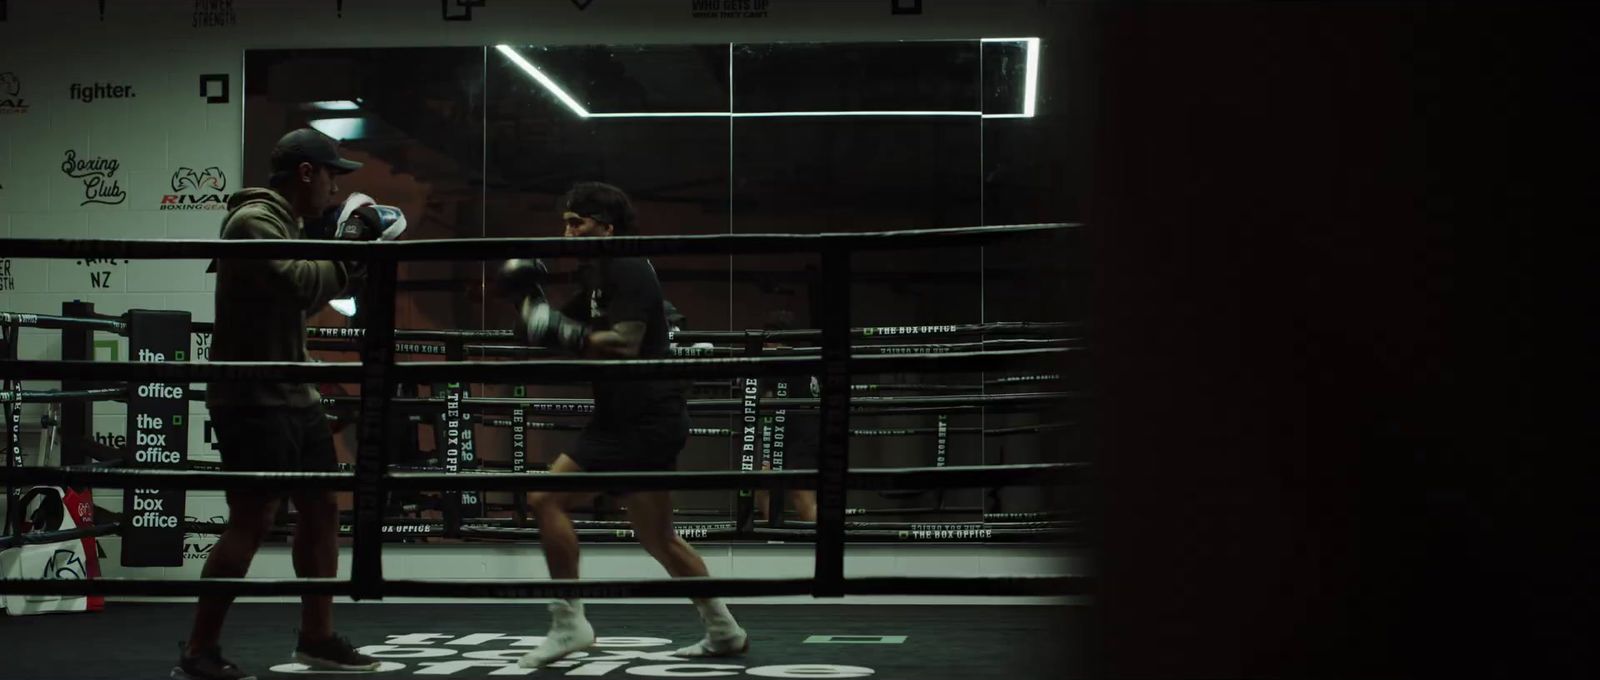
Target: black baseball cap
point(306, 145)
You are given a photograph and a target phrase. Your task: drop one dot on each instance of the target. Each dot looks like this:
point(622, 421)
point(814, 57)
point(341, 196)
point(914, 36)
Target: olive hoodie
point(261, 305)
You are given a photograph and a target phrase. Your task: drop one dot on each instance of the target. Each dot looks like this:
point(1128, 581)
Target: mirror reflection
point(718, 139)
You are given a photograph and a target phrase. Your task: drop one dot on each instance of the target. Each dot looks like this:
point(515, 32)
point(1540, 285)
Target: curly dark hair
point(604, 203)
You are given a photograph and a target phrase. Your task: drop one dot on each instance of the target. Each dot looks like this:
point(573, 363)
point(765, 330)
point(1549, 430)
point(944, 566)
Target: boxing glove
point(540, 324)
point(357, 218)
point(371, 223)
point(522, 278)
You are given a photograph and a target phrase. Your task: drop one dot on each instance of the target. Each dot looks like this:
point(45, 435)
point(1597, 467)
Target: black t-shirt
point(626, 289)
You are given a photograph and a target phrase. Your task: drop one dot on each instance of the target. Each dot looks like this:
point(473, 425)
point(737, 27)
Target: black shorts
point(647, 446)
point(274, 439)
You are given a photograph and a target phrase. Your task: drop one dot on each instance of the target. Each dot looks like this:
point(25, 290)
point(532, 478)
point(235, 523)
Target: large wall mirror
point(717, 139)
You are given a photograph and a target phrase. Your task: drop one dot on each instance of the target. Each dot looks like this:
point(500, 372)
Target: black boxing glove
point(522, 278)
point(540, 324)
point(357, 218)
point(371, 223)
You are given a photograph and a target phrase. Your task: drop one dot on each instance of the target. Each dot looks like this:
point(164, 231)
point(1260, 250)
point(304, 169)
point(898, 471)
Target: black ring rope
point(585, 407)
point(494, 249)
point(555, 588)
point(50, 396)
point(1033, 516)
point(1044, 474)
point(53, 322)
point(334, 334)
point(47, 537)
point(396, 529)
point(109, 456)
point(519, 371)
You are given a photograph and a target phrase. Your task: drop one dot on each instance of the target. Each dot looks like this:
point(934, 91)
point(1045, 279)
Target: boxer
point(261, 307)
point(636, 426)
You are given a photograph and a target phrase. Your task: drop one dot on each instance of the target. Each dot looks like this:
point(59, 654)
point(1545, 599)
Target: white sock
point(569, 632)
point(714, 613)
point(723, 637)
point(571, 608)
point(712, 608)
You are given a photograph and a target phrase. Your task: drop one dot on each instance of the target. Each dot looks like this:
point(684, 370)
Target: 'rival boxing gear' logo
point(193, 190)
point(198, 546)
point(11, 101)
point(65, 565)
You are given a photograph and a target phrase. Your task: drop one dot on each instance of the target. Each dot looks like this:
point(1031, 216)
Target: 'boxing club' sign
point(158, 431)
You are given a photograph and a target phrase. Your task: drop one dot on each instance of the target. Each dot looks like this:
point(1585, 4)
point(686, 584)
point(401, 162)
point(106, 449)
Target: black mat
point(134, 641)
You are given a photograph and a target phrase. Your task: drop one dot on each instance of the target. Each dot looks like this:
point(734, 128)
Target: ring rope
point(1044, 474)
point(585, 406)
point(514, 371)
point(395, 529)
point(487, 249)
point(47, 537)
point(333, 333)
point(553, 588)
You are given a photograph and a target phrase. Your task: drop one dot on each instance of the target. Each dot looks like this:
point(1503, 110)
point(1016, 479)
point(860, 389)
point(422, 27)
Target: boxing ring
point(490, 357)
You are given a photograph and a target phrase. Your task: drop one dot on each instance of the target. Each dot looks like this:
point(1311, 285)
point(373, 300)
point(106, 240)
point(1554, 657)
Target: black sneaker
point(207, 665)
point(333, 654)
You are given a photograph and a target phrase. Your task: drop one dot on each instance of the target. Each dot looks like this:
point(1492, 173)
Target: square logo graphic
point(463, 9)
point(905, 6)
point(214, 87)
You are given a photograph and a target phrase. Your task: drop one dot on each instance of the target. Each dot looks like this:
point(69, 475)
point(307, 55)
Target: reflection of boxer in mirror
point(637, 425)
point(799, 427)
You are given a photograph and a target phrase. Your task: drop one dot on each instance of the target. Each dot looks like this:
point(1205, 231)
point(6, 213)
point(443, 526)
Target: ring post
point(77, 417)
point(833, 456)
point(377, 382)
point(13, 415)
